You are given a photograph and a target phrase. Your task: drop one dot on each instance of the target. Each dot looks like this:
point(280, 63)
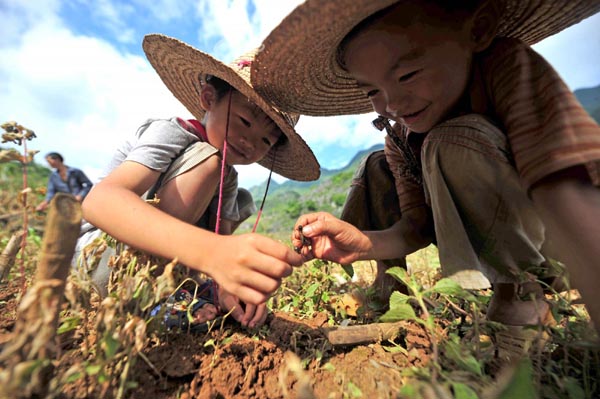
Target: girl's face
point(413, 72)
point(251, 132)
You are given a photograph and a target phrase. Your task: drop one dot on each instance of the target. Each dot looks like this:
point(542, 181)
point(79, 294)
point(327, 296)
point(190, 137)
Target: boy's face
point(251, 132)
point(413, 71)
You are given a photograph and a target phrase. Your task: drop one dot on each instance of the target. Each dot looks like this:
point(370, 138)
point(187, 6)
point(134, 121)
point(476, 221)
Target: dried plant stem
point(25, 218)
point(362, 334)
point(35, 327)
point(60, 237)
point(7, 258)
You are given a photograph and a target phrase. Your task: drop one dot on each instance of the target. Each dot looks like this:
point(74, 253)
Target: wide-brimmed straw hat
point(182, 68)
point(298, 69)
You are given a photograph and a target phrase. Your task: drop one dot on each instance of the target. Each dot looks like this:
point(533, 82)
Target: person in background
point(64, 179)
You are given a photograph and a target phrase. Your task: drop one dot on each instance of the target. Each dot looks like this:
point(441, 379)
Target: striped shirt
point(547, 128)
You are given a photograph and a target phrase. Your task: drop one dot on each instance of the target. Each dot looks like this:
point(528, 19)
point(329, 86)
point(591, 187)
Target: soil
point(249, 364)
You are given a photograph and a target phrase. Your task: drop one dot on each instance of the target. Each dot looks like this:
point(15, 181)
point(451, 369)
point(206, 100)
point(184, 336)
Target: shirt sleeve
point(84, 184)
point(410, 193)
point(547, 128)
point(159, 142)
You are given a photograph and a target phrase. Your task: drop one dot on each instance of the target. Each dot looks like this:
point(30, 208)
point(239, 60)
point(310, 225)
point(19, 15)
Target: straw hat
point(298, 69)
point(181, 66)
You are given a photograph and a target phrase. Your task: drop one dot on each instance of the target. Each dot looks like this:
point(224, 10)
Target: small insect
point(305, 241)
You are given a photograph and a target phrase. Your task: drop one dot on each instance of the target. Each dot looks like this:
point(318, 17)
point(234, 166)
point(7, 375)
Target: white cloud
point(78, 93)
point(238, 31)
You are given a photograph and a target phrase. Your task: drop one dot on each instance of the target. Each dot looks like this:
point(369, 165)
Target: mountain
point(287, 201)
point(259, 190)
point(11, 176)
point(590, 99)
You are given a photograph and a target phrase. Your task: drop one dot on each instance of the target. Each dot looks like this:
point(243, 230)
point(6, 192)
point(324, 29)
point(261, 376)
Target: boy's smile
point(414, 73)
point(251, 132)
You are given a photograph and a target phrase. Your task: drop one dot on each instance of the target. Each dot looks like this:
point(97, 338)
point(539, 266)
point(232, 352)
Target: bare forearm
point(570, 209)
point(125, 216)
point(411, 233)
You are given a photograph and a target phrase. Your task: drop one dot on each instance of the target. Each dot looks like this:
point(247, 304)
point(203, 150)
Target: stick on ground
point(361, 334)
point(9, 254)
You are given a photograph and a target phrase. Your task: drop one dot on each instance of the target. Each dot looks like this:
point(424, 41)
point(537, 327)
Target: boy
point(490, 152)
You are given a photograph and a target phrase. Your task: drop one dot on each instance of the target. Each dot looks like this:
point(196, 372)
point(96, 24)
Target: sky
point(75, 73)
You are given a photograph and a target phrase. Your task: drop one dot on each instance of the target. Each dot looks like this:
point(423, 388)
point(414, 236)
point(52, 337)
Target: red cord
point(223, 171)
point(220, 203)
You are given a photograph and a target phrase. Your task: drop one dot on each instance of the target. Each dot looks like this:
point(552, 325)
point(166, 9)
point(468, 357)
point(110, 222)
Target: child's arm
point(570, 207)
point(335, 240)
point(248, 266)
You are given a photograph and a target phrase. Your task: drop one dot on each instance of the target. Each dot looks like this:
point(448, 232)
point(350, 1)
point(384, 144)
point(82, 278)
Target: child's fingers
point(205, 313)
point(251, 296)
point(310, 218)
point(230, 303)
point(258, 315)
point(282, 257)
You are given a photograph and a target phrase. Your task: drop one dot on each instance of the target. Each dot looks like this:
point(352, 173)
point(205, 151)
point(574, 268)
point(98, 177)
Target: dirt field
point(248, 364)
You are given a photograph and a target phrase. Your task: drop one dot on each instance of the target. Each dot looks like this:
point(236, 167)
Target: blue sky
point(74, 71)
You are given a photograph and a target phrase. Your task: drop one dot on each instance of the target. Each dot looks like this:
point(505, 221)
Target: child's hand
point(330, 238)
point(251, 266)
point(247, 315)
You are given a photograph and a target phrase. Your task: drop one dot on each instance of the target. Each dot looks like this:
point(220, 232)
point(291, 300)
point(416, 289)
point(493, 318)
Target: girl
point(187, 165)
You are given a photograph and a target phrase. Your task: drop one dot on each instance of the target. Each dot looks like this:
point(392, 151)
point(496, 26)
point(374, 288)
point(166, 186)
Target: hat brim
point(181, 66)
point(298, 68)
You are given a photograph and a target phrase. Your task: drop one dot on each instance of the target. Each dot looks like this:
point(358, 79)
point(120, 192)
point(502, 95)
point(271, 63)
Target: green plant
point(308, 290)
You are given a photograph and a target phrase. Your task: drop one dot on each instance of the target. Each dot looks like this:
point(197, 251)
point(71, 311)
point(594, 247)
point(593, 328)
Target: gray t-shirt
point(157, 143)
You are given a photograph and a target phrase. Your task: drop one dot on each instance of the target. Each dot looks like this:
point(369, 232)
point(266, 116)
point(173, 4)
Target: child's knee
point(465, 148)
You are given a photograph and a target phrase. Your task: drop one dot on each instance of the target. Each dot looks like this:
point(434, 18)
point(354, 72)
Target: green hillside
point(590, 99)
point(286, 201)
point(11, 176)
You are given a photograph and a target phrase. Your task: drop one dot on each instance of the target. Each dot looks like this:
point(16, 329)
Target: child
point(180, 163)
point(64, 179)
point(489, 142)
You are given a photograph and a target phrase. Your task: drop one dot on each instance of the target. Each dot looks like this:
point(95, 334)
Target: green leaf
point(395, 349)
point(111, 346)
point(310, 292)
point(93, 369)
point(464, 360)
point(399, 274)
point(463, 391)
point(354, 391)
point(402, 311)
point(68, 324)
point(328, 367)
point(73, 377)
point(450, 287)
point(521, 383)
point(398, 298)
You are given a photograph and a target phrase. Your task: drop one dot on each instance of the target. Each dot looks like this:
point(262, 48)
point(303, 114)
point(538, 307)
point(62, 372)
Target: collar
point(195, 127)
